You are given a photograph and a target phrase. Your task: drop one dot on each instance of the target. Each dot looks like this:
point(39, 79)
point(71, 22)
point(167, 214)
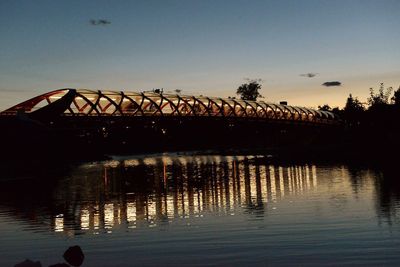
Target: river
point(201, 209)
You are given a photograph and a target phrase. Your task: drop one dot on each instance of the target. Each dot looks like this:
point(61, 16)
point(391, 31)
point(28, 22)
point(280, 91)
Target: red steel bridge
point(127, 121)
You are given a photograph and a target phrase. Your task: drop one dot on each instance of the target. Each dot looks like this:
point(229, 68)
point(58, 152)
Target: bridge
point(127, 121)
point(82, 102)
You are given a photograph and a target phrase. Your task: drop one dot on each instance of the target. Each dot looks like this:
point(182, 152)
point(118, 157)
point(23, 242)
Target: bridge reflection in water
point(158, 191)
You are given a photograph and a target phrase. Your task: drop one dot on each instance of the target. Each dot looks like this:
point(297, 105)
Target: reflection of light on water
point(253, 185)
point(307, 177)
point(187, 187)
point(199, 202)
point(96, 220)
point(263, 183)
point(273, 186)
point(166, 160)
point(295, 180)
point(131, 214)
point(84, 219)
point(281, 185)
point(151, 211)
point(300, 178)
point(149, 161)
point(170, 207)
point(232, 190)
point(241, 183)
point(185, 199)
point(59, 223)
point(314, 175)
point(179, 204)
point(289, 176)
point(111, 164)
point(108, 216)
point(220, 196)
point(131, 162)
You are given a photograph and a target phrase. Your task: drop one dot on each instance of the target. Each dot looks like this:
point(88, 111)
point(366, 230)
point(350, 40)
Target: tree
point(337, 111)
point(325, 107)
point(353, 105)
point(396, 97)
point(249, 91)
point(354, 110)
point(380, 98)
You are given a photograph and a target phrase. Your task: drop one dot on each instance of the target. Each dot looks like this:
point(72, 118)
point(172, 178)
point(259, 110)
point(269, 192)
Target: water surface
point(202, 210)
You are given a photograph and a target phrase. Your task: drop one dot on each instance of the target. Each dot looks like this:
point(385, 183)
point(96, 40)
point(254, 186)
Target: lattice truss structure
point(111, 103)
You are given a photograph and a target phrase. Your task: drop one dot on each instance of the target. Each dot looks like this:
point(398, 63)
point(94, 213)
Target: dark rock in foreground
point(74, 256)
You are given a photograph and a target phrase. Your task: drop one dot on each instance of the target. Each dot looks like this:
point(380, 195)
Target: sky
point(201, 47)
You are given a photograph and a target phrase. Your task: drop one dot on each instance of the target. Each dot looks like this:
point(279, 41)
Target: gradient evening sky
point(201, 47)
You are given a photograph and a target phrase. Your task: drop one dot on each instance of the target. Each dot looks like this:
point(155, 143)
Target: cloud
point(334, 83)
point(309, 75)
point(258, 80)
point(96, 22)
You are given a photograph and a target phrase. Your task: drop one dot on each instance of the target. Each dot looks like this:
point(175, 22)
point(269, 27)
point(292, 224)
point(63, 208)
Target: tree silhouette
point(249, 91)
point(354, 110)
point(380, 98)
point(353, 105)
point(396, 97)
point(325, 107)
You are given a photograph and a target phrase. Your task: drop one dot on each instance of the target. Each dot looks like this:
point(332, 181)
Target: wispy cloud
point(258, 80)
point(309, 75)
point(334, 83)
point(101, 22)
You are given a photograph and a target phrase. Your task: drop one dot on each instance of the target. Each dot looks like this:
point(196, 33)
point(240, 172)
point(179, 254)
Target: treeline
point(372, 128)
point(383, 102)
